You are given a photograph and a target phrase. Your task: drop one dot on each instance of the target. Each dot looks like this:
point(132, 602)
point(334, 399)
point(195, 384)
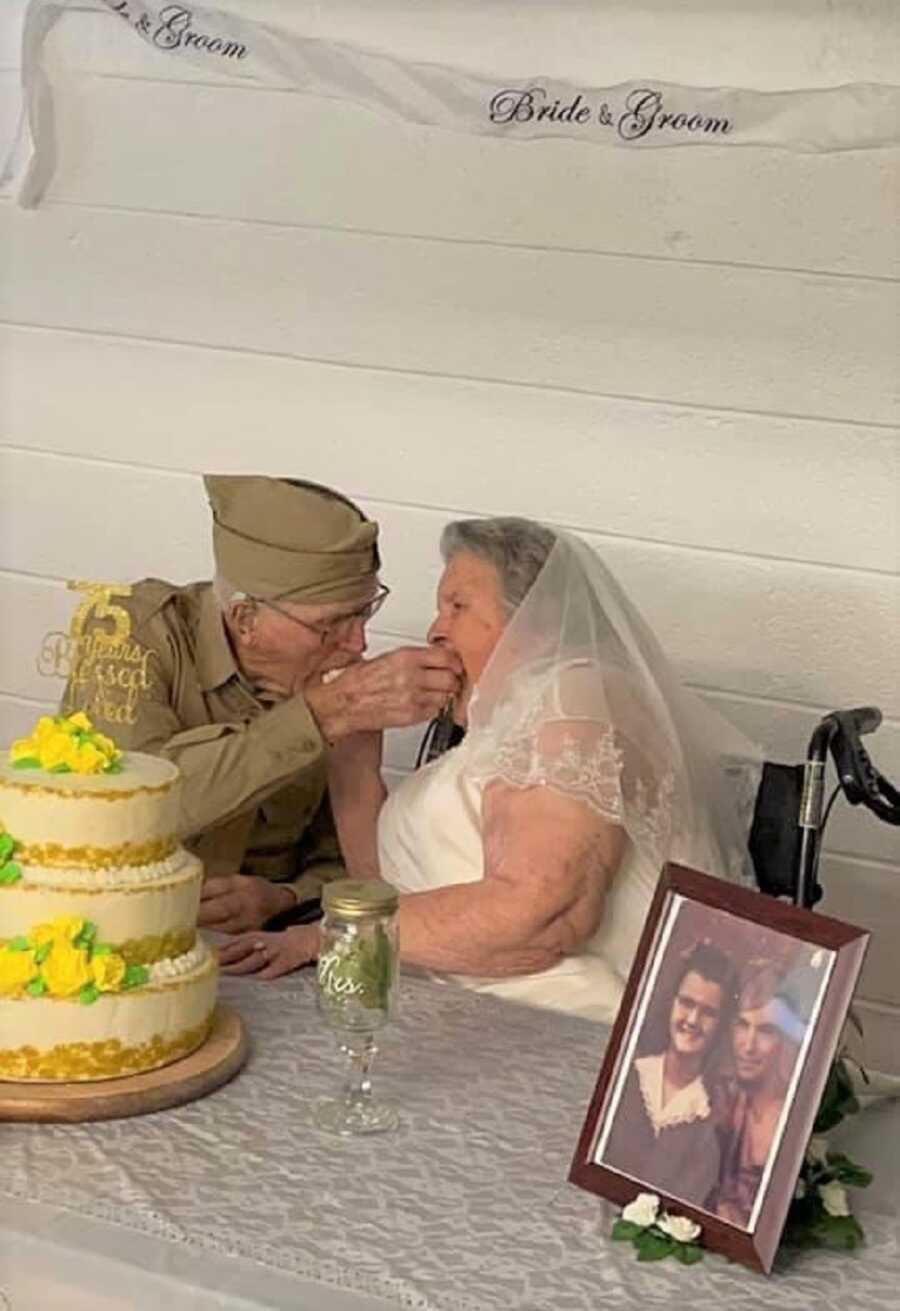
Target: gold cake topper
point(106, 668)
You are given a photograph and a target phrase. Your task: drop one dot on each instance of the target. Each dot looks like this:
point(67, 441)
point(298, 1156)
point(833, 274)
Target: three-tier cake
point(102, 972)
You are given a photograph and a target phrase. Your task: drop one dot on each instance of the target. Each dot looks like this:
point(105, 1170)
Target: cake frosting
point(102, 972)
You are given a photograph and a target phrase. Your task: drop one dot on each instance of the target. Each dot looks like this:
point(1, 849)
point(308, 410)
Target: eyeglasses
point(332, 630)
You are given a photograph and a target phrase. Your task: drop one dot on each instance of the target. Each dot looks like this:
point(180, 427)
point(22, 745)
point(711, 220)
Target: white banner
point(636, 115)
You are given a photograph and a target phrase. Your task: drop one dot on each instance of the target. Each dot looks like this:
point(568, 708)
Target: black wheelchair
point(789, 820)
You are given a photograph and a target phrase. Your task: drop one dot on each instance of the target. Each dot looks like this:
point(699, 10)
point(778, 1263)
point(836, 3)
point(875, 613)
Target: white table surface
point(237, 1201)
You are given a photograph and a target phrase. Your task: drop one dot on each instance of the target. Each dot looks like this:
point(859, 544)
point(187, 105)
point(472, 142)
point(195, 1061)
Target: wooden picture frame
point(762, 1038)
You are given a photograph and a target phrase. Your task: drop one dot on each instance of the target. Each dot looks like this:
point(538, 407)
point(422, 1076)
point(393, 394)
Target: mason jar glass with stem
point(357, 978)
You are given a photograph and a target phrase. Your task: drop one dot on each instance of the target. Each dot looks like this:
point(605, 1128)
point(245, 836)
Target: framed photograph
point(718, 1059)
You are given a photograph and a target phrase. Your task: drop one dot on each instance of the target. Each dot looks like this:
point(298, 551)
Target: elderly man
point(243, 692)
point(663, 1132)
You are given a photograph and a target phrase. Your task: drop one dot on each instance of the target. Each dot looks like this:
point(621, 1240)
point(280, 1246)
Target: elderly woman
point(527, 854)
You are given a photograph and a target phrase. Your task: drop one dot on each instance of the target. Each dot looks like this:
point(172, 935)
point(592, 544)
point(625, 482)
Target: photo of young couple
point(698, 1105)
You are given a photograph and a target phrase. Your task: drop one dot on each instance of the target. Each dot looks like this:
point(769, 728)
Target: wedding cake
point(102, 972)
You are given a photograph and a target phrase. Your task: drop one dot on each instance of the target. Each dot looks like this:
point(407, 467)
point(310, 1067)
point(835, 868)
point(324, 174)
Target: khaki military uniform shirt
point(254, 794)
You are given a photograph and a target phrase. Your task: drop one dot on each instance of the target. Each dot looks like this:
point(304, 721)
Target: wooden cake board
point(206, 1069)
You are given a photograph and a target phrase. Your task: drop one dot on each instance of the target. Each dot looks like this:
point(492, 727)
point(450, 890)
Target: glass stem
point(360, 1054)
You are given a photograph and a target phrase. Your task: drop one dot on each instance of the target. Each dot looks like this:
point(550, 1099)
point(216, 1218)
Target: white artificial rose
point(834, 1198)
point(643, 1210)
point(817, 1150)
point(679, 1227)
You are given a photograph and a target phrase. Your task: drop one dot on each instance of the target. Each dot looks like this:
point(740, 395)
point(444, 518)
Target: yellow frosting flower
point(22, 749)
point(17, 969)
point(67, 744)
point(58, 750)
point(65, 929)
point(108, 972)
point(86, 759)
point(66, 970)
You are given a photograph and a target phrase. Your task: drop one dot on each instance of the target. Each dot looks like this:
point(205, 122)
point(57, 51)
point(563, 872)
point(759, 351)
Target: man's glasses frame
point(333, 629)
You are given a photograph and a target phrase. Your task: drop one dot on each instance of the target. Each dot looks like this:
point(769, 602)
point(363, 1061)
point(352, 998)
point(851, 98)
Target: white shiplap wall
point(688, 355)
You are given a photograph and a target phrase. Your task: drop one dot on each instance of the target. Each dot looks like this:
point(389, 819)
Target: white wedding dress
point(429, 836)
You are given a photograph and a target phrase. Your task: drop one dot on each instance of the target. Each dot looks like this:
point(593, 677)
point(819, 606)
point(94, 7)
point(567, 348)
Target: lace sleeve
point(575, 758)
point(559, 739)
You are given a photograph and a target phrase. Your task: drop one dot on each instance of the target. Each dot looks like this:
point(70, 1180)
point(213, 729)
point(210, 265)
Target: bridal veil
point(579, 697)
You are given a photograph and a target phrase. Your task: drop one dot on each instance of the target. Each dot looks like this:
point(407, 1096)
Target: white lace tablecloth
point(238, 1201)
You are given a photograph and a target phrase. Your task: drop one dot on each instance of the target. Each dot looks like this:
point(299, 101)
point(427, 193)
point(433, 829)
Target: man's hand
point(234, 903)
point(407, 686)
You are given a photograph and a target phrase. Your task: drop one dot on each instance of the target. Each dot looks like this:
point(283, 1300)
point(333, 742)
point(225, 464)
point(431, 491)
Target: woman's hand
point(269, 955)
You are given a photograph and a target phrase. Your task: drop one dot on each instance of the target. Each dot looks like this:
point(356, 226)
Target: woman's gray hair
point(517, 548)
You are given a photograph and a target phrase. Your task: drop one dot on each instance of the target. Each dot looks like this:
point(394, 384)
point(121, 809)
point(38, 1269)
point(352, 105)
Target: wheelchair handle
point(839, 733)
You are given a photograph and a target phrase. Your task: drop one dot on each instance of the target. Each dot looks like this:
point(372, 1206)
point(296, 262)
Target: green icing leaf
point(27, 762)
point(114, 767)
point(86, 936)
point(688, 1253)
point(42, 953)
point(10, 872)
point(89, 994)
point(36, 988)
point(60, 769)
point(18, 944)
point(102, 949)
point(135, 976)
